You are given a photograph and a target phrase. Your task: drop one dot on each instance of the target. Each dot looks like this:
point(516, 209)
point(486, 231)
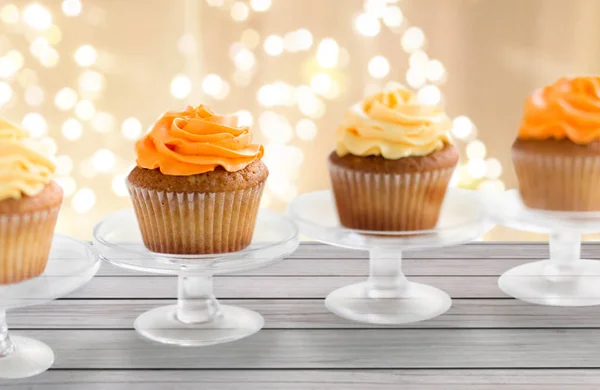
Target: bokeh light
point(9, 14)
point(494, 168)
point(35, 124)
point(71, 7)
point(429, 95)
point(306, 129)
point(239, 11)
point(250, 38)
point(413, 39)
point(273, 45)
point(72, 129)
point(104, 160)
point(379, 67)
point(304, 39)
point(244, 118)
point(83, 200)
point(212, 84)
point(328, 53)
point(260, 5)
point(476, 167)
point(36, 16)
point(367, 25)
point(86, 55)
point(244, 59)
point(392, 16)
point(462, 127)
point(85, 110)
point(435, 70)
point(131, 128)
point(320, 83)
point(181, 86)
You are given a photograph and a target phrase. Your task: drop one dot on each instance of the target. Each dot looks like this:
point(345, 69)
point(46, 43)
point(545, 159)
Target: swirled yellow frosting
point(24, 169)
point(393, 124)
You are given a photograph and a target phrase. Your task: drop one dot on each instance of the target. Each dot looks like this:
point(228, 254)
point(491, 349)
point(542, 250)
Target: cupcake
point(392, 164)
point(29, 204)
point(557, 152)
point(198, 183)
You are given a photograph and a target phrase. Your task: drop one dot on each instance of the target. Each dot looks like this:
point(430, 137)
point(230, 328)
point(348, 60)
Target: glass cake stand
point(562, 280)
point(198, 318)
point(71, 264)
point(387, 297)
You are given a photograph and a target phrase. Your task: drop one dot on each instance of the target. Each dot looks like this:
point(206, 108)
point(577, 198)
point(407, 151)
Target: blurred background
point(94, 75)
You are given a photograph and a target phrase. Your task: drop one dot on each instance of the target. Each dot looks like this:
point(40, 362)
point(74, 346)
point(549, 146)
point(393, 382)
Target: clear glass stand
point(562, 280)
point(71, 264)
point(198, 318)
point(387, 297)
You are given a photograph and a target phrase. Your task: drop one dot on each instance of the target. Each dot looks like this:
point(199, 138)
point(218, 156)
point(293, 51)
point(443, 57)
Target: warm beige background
point(495, 53)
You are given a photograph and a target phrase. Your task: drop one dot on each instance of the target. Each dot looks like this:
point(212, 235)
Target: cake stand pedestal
point(387, 297)
point(71, 264)
point(562, 280)
point(198, 318)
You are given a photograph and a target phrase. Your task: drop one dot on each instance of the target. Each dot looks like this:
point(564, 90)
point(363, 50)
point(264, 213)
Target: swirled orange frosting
point(569, 108)
point(393, 124)
point(194, 141)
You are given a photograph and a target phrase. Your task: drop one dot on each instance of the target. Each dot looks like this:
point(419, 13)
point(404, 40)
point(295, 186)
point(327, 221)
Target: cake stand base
point(413, 303)
point(575, 283)
point(163, 326)
point(30, 357)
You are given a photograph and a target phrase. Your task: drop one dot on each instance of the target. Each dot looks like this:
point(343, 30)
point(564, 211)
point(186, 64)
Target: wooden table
point(485, 341)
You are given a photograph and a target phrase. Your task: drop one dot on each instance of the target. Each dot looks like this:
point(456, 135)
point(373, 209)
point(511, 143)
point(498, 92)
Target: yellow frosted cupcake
point(29, 204)
point(392, 164)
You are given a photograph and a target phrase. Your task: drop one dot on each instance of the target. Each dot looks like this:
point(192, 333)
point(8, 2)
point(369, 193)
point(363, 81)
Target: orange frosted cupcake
point(392, 164)
point(198, 183)
point(29, 204)
point(557, 152)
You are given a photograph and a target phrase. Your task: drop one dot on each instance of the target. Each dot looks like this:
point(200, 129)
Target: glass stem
point(6, 345)
point(385, 276)
point(196, 302)
point(565, 247)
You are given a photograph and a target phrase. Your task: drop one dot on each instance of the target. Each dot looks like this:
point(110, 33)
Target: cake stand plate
point(198, 319)
point(387, 297)
point(562, 280)
point(71, 264)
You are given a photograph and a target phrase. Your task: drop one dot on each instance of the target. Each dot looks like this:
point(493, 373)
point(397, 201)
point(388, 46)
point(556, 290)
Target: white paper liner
point(196, 223)
point(389, 202)
point(25, 241)
point(561, 183)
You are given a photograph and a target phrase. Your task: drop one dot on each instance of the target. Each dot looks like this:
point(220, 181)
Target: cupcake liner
point(389, 201)
point(561, 183)
point(25, 241)
point(196, 223)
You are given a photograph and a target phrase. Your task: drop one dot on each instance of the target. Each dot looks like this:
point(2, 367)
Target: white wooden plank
point(358, 267)
point(323, 349)
point(272, 287)
point(307, 314)
point(471, 259)
point(475, 250)
point(312, 380)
